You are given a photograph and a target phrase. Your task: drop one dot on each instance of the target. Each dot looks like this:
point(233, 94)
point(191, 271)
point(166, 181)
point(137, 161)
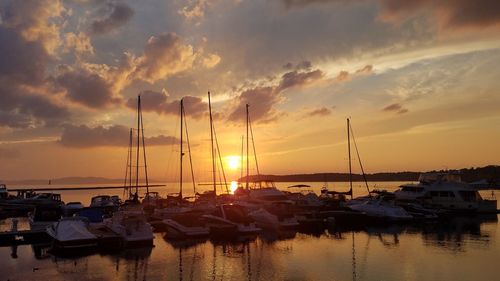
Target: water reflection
point(340, 254)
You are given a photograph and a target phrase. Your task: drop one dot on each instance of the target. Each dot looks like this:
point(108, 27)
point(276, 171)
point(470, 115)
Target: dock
point(23, 237)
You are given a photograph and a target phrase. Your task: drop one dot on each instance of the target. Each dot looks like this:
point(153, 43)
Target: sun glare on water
point(234, 186)
point(233, 162)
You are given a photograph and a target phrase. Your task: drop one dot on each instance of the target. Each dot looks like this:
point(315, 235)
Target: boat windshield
point(429, 178)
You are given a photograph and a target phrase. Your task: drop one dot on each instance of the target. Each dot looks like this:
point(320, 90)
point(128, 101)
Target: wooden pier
point(22, 237)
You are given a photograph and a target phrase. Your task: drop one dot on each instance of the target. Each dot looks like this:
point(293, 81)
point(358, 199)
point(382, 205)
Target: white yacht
point(446, 191)
point(381, 208)
point(130, 223)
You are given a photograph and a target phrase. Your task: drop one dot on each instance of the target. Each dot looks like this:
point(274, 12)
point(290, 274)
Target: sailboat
point(180, 220)
point(268, 206)
point(130, 221)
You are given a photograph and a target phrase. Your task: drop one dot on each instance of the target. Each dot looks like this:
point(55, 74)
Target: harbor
point(370, 248)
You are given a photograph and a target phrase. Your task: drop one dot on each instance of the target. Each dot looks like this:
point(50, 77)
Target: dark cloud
point(342, 76)
point(261, 101)
point(367, 69)
point(21, 60)
point(159, 103)
point(297, 79)
point(9, 153)
point(322, 111)
point(163, 56)
point(447, 13)
point(395, 107)
point(117, 135)
point(21, 108)
point(118, 14)
point(87, 88)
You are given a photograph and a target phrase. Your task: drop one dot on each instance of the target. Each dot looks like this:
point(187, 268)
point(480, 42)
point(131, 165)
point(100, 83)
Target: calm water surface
point(458, 249)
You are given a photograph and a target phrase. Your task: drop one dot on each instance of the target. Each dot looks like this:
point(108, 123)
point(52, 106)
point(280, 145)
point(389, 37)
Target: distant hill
point(69, 180)
point(489, 173)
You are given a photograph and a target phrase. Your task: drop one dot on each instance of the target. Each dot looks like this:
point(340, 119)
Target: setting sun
point(233, 162)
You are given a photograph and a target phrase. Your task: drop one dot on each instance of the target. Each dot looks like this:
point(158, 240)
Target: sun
point(233, 162)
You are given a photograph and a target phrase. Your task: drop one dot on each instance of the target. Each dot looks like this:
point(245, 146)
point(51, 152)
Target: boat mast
point(181, 153)
point(247, 148)
point(138, 144)
point(212, 143)
point(144, 150)
point(349, 152)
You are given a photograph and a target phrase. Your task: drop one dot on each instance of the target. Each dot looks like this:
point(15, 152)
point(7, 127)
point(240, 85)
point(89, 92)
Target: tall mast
point(349, 151)
point(247, 149)
point(181, 153)
point(138, 143)
point(144, 151)
point(212, 142)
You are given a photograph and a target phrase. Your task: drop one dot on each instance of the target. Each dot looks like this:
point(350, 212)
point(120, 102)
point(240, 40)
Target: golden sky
point(419, 80)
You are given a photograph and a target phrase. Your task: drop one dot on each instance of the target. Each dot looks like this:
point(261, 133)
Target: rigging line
point(144, 152)
point(189, 153)
point(220, 159)
point(359, 159)
point(253, 144)
point(138, 143)
point(181, 153)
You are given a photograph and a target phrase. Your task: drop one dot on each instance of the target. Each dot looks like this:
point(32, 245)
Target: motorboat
point(131, 224)
point(446, 191)
point(382, 207)
point(230, 220)
point(103, 201)
point(185, 226)
point(72, 233)
point(71, 208)
point(44, 216)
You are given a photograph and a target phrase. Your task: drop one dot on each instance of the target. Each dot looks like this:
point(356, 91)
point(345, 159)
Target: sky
point(419, 81)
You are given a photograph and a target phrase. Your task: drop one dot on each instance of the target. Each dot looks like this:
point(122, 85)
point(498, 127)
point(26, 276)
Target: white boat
point(185, 228)
point(72, 234)
point(131, 224)
point(229, 220)
point(380, 208)
point(446, 191)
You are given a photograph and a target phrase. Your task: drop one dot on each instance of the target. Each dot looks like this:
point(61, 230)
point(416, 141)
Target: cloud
point(118, 14)
point(195, 9)
point(261, 101)
point(87, 88)
point(367, 69)
point(344, 75)
point(80, 43)
point(163, 56)
point(21, 60)
point(296, 79)
point(322, 111)
point(158, 102)
point(113, 136)
point(452, 14)
point(211, 60)
point(34, 20)
point(22, 108)
point(395, 107)
point(263, 98)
